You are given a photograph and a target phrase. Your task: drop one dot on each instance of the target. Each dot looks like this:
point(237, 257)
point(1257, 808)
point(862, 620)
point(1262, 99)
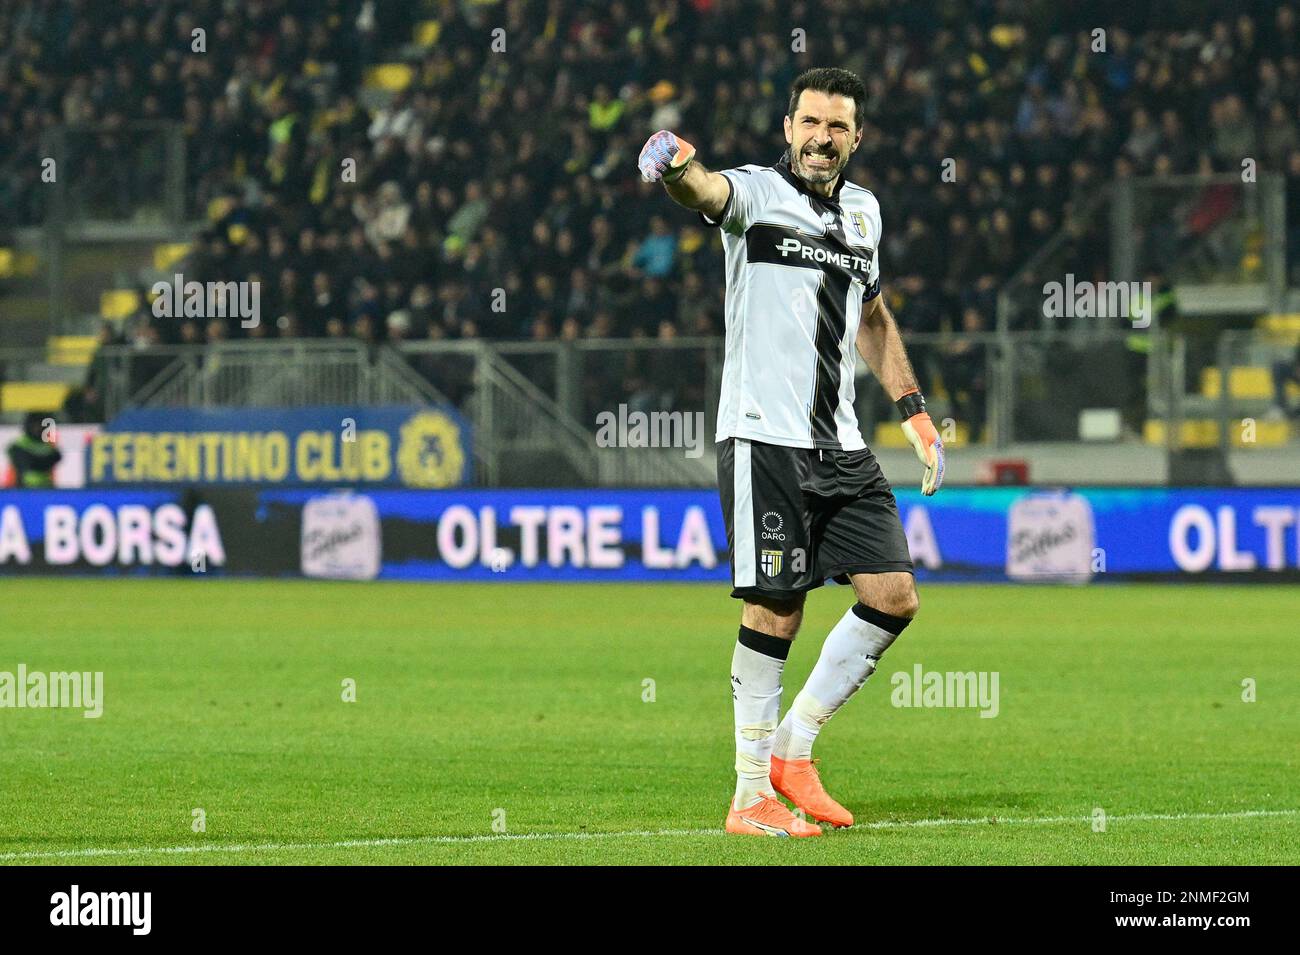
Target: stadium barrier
point(1078, 535)
point(536, 406)
point(376, 446)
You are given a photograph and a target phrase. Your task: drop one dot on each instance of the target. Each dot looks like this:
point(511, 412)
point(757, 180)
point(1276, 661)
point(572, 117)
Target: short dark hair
point(834, 82)
point(34, 424)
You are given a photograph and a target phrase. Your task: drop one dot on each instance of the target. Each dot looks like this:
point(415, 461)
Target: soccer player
point(803, 496)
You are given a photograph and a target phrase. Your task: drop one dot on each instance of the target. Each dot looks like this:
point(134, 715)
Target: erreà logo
point(792, 246)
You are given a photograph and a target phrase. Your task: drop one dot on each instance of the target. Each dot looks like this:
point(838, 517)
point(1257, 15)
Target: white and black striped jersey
point(799, 268)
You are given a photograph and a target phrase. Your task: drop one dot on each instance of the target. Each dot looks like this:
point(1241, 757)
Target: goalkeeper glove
point(664, 156)
point(920, 432)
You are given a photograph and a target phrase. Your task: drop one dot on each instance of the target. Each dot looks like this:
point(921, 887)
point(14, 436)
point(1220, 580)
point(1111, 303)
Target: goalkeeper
point(802, 495)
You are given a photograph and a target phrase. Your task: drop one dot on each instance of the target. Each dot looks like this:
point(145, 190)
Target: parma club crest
point(771, 562)
point(859, 221)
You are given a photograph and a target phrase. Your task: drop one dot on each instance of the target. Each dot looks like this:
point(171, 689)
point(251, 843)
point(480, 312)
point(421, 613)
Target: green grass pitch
point(524, 706)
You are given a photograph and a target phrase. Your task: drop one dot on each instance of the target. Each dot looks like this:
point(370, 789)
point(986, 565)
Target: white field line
point(208, 848)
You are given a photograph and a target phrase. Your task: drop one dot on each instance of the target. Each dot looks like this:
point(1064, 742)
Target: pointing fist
point(662, 155)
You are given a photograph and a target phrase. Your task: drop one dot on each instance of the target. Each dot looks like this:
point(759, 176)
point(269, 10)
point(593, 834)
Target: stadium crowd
point(988, 123)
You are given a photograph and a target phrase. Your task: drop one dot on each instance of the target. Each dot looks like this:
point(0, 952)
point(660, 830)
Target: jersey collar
point(783, 167)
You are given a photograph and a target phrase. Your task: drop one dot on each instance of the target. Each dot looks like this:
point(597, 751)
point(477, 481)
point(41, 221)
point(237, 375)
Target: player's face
point(822, 135)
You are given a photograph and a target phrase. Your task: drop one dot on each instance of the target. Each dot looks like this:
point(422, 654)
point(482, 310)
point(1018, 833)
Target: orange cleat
point(769, 817)
point(797, 781)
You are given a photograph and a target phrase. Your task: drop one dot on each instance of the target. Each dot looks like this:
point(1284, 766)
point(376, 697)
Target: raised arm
point(671, 160)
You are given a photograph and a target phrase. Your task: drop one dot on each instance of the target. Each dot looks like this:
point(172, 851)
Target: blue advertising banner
point(960, 534)
point(105, 531)
point(392, 446)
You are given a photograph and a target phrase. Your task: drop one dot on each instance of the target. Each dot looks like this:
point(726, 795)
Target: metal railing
point(990, 384)
point(535, 416)
point(519, 430)
point(524, 427)
point(261, 374)
point(536, 408)
point(17, 362)
point(117, 174)
point(258, 374)
point(590, 380)
point(117, 189)
point(1220, 238)
point(1020, 299)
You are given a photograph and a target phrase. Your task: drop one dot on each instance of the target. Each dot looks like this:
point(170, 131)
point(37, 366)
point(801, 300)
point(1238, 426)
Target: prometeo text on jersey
point(852, 263)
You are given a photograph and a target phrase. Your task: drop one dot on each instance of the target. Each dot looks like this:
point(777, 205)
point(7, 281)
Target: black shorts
point(797, 517)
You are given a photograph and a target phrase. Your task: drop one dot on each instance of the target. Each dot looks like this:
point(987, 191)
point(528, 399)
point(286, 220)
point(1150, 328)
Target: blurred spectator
point(965, 374)
point(1285, 373)
point(517, 173)
point(654, 256)
point(32, 457)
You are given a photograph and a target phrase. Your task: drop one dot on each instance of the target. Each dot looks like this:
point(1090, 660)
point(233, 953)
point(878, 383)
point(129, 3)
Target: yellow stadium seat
point(17, 264)
point(168, 254)
point(1283, 329)
point(1243, 382)
point(1280, 323)
point(118, 303)
point(393, 77)
point(72, 349)
point(427, 32)
point(219, 206)
point(1204, 433)
point(32, 395)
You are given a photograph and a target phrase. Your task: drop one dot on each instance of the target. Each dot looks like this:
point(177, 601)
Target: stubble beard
point(818, 174)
